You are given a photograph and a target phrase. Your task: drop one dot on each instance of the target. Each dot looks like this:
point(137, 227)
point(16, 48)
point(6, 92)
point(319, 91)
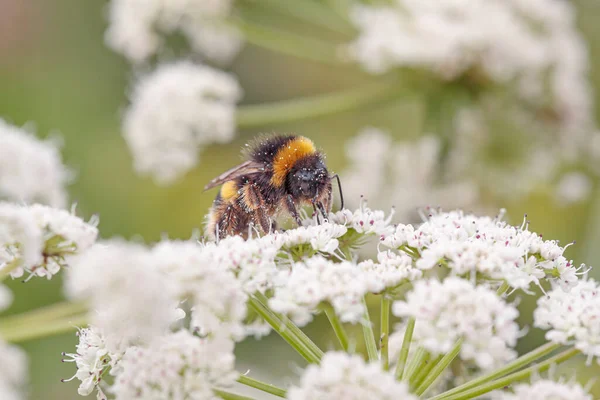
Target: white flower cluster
point(572, 317)
point(469, 244)
point(176, 366)
point(214, 295)
point(174, 112)
point(455, 308)
point(13, 372)
point(93, 360)
point(41, 239)
point(403, 175)
point(545, 389)
point(366, 221)
point(136, 25)
point(532, 42)
point(31, 170)
point(348, 377)
point(318, 280)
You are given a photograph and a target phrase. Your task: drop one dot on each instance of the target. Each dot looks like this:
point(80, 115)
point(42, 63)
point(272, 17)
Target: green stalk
point(385, 332)
point(288, 43)
point(369, 334)
point(47, 328)
point(370, 95)
point(312, 12)
point(338, 328)
point(8, 268)
point(420, 376)
point(517, 376)
point(276, 323)
point(265, 387)
point(510, 367)
point(47, 313)
point(410, 327)
point(439, 368)
point(294, 329)
point(503, 288)
point(230, 396)
point(415, 363)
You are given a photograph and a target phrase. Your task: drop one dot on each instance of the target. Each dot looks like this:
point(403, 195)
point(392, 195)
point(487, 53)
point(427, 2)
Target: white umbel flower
point(13, 372)
point(21, 238)
point(365, 220)
point(545, 389)
point(31, 170)
point(317, 280)
point(573, 317)
point(175, 111)
point(455, 308)
point(322, 237)
point(391, 269)
point(177, 366)
point(533, 42)
point(136, 26)
point(6, 297)
point(490, 246)
point(131, 301)
point(214, 295)
point(348, 377)
point(92, 360)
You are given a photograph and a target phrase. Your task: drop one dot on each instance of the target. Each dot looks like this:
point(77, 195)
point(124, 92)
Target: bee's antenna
point(337, 177)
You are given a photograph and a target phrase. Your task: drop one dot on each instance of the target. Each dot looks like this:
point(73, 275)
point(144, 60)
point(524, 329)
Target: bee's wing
point(246, 168)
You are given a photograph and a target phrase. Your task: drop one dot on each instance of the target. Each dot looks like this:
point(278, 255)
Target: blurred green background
point(56, 72)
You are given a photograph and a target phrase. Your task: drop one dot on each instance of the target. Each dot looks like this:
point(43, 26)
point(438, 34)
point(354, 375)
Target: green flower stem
point(265, 387)
point(510, 367)
point(385, 332)
point(312, 12)
point(294, 329)
point(230, 396)
point(38, 315)
point(503, 288)
point(338, 328)
point(288, 43)
point(415, 364)
point(8, 268)
point(410, 327)
point(43, 329)
point(278, 325)
point(369, 95)
point(517, 376)
point(420, 376)
point(439, 368)
point(369, 334)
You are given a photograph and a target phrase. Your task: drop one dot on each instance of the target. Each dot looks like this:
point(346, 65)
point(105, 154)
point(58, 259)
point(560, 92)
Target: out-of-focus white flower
point(317, 280)
point(400, 175)
point(13, 372)
point(215, 296)
point(31, 170)
point(136, 26)
point(176, 366)
point(20, 237)
point(175, 111)
point(257, 328)
point(467, 244)
point(572, 188)
point(544, 389)
point(6, 297)
point(131, 301)
point(573, 317)
point(348, 377)
point(93, 360)
point(322, 237)
point(455, 308)
point(532, 42)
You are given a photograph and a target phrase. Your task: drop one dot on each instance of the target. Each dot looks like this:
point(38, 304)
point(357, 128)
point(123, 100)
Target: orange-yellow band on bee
point(287, 156)
point(229, 191)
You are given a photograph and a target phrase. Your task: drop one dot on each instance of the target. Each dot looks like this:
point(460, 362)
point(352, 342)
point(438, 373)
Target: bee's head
point(307, 178)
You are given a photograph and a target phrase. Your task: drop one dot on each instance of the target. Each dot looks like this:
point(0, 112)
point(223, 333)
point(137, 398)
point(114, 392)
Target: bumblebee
point(280, 174)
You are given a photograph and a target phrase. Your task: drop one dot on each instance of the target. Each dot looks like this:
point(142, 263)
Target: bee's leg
point(316, 212)
point(289, 204)
point(255, 204)
point(322, 209)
